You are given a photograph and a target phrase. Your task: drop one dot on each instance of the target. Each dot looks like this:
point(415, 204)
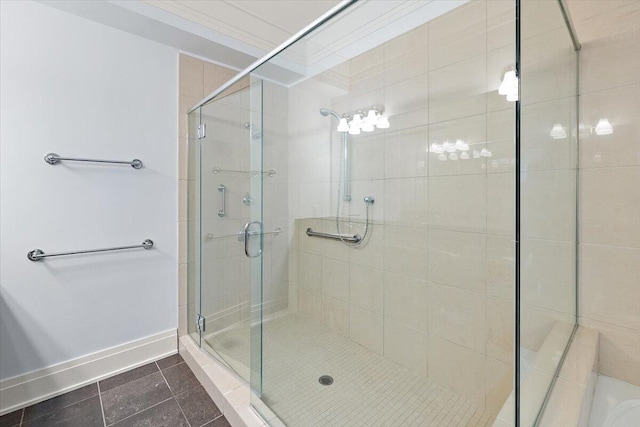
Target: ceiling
point(235, 33)
point(262, 24)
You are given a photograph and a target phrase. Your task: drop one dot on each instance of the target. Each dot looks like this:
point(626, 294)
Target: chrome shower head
point(325, 112)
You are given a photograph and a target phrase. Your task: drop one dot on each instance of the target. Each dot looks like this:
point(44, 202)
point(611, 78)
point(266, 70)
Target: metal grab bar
point(270, 172)
point(240, 235)
point(38, 254)
point(353, 239)
point(54, 159)
point(222, 189)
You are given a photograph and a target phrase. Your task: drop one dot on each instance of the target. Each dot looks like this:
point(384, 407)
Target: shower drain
point(326, 380)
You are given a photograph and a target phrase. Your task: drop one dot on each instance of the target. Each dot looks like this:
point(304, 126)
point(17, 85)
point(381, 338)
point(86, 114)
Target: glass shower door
point(227, 201)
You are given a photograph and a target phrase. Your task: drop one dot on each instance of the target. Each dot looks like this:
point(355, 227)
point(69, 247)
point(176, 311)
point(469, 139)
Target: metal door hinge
point(200, 322)
point(202, 130)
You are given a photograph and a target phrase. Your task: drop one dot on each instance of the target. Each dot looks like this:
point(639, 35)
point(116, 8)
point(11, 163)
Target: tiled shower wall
point(432, 290)
point(610, 181)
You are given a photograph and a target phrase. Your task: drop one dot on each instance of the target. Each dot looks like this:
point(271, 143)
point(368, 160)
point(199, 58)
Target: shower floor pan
point(367, 389)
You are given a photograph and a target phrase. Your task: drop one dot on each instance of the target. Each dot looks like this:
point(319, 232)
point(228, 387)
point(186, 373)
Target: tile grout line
point(172, 394)
point(57, 409)
point(21, 417)
point(140, 412)
point(104, 420)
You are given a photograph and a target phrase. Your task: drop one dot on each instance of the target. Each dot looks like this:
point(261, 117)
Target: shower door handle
point(246, 230)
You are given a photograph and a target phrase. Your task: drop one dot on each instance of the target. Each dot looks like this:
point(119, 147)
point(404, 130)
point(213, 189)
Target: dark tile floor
point(161, 394)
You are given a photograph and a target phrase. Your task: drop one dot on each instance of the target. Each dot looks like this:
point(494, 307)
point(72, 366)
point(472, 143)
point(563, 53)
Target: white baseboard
point(36, 386)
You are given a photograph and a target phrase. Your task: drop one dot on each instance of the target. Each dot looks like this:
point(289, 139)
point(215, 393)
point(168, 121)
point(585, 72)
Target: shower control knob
point(369, 200)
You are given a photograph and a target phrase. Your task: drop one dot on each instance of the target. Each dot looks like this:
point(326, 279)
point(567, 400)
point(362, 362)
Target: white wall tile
point(610, 206)
point(406, 346)
point(365, 287)
point(310, 271)
point(458, 90)
point(458, 202)
point(458, 35)
point(335, 314)
point(457, 367)
point(556, 191)
point(458, 259)
point(548, 274)
point(621, 107)
point(500, 327)
point(405, 300)
point(458, 316)
point(366, 328)
point(500, 266)
point(609, 290)
point(335, 279)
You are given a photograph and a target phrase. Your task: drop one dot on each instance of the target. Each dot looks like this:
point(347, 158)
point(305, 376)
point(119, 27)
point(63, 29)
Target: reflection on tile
point(543, 149)
point(621, 107)
point(455, 146)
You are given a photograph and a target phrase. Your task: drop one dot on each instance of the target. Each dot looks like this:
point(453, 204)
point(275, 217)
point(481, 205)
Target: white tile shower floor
point(368, 389)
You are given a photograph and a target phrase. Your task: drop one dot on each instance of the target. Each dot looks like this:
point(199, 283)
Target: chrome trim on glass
point(572, 29)
point(38, 254)
point(300, 34)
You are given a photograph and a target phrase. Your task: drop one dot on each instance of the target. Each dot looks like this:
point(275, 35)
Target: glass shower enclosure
point(382, 216)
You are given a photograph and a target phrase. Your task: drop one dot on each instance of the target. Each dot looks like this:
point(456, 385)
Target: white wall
point(78, 88)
